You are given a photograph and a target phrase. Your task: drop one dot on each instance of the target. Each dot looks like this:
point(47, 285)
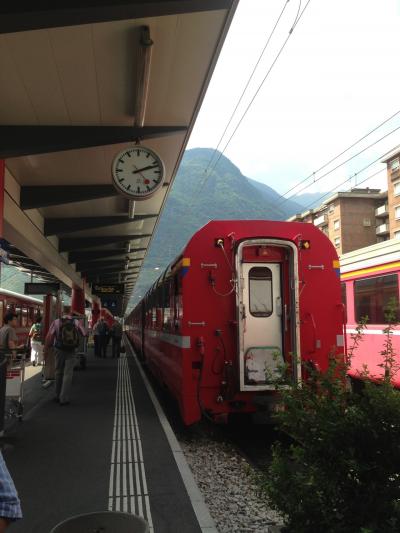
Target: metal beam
point(76, 257)
point(22, 16)
point(101, 265)
point(55, 226)
point(68, 244)
point(110, 270)
point(45, 196)
point(17, 141)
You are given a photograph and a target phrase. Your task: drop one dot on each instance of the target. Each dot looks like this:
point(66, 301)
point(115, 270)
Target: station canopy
point(79, 82)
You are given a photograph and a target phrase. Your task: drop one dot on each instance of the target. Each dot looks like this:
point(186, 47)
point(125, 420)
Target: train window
point(18, 313)
point(344, 297)
point(260, 291)
point(372, 296)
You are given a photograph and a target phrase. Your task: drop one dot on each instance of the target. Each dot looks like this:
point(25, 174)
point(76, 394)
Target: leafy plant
point(341, 473)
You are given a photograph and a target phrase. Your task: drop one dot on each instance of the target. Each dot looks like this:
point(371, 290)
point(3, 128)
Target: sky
point(336, 80)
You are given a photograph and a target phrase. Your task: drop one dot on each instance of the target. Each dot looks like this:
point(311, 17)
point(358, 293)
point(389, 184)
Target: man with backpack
point(64, 336)
point(116, 337)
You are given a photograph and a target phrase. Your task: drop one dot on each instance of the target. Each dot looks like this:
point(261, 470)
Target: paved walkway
point(107, 450)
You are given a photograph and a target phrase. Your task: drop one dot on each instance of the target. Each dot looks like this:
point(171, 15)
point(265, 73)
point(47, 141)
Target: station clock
point(137, 172)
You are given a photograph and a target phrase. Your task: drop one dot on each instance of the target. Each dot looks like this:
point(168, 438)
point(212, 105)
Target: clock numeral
point(147, 155)
point(121, 180)
point(157, 172)
point(138, 189)
point(138, 152)
point(129, 186)
point(156, 181)
point(128, 154)
point(121, 160)
point(147, 187)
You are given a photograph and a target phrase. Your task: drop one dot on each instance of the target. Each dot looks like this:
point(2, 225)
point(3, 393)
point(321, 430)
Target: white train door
point(260, 325)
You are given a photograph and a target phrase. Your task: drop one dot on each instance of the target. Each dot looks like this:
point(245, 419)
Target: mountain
point(310, 200)
point(197, 197)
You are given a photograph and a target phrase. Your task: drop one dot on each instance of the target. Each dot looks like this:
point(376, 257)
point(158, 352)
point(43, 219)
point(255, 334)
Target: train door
point(264, 296)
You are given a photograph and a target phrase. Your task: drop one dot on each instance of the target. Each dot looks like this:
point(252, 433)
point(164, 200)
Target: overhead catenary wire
point(343, 183)
point(297, 20)
point(341, 153)
point(338, 166)
point(249, 81)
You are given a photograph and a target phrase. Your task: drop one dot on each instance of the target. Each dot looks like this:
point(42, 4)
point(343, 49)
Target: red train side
point(25, 307)
point(244, 299)
point(370, 280)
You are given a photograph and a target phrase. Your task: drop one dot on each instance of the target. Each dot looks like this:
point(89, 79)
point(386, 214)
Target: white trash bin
point(103, 522)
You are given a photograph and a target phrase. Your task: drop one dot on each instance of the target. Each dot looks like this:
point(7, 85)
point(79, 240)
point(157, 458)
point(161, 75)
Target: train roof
point(20, 296)
point(377, 254)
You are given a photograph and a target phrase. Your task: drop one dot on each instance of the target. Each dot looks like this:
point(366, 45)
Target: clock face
point(137, 172)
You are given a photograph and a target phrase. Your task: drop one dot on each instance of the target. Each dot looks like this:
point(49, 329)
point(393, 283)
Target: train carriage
point(245, 302)
point(370, 281)
point(26, 309)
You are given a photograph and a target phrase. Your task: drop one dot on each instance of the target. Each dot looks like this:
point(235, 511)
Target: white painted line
point(206, 523)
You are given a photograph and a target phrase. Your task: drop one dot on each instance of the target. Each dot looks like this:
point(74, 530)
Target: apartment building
point(351, 219)
point(393, 183)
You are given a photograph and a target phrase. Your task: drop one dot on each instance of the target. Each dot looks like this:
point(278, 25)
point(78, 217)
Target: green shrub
point(341, 474)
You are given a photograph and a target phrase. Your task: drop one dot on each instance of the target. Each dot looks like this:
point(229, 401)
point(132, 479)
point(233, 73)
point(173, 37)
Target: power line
point(261, 84)
point(341, 153)
point(343, 182)
point(249, 80)
point(338, 166)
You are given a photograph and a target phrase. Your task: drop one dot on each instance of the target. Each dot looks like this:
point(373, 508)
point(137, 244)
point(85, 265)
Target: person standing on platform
point(64, 336)
point(10, 506)
point(96, 339)
point(35, 336)
point(104, 331)
point(116, 337)
point(8, 335)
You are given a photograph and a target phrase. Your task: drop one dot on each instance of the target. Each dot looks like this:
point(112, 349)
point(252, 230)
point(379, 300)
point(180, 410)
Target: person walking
point(35, 336)
point(116, 337)
point(10, 505)
point(64, 336)
point(103, 332)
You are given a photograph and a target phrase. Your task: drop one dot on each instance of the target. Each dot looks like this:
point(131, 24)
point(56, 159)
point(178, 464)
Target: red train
point(25, 307)
point(370, 280)
point(240, 301)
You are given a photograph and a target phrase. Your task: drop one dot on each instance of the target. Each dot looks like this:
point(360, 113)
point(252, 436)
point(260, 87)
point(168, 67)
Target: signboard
point(41, 288)
point(4, 252)
point(110, 289)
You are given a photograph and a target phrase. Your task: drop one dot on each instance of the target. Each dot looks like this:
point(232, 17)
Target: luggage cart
point(15, 378)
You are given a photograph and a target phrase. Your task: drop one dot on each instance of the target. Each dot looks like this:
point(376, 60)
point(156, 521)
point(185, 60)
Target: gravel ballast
point(228, 484)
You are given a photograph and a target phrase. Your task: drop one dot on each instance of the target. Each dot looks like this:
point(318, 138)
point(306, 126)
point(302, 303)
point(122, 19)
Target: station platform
point(110, 449)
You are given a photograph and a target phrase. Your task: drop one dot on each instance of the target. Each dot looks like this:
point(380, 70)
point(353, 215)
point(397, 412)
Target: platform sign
point(110, 289)
point(41, 288)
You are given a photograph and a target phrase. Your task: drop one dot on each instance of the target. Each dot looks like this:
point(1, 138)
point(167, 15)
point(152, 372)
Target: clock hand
point(137, 171)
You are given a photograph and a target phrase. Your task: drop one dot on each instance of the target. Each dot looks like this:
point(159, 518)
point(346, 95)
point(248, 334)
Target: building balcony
point(321, 220)
point(382, 211)
point(382, 229)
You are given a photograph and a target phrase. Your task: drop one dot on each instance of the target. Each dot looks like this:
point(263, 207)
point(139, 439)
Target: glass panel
point(18, 313)
point(260, 291)
point(24, 317)
point(372, 295)
point(344, 297)
point(397, 188)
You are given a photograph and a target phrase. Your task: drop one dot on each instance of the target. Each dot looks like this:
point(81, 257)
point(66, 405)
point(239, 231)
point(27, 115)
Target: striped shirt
point(10, 506)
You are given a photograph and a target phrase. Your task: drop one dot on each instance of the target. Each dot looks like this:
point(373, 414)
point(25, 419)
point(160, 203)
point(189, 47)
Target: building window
point(336, 224)
point(397, 212)
point(337, 242)
point(397, 234)
point(372, 296)
point(394, 164)
point(396, 188)
point(260, 291)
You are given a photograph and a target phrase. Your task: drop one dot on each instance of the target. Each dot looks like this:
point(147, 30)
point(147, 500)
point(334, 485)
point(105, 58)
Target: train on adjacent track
point(244, 304)
point(370, 285)
point(26, 309)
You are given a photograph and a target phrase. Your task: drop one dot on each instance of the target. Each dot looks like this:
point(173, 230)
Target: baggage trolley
point(15, 377)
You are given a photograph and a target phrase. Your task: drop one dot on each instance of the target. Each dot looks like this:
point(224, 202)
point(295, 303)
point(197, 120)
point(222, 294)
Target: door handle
point(279, 306)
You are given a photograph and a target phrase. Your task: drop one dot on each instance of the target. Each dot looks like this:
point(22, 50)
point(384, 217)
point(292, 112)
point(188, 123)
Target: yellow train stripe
point(370, 270)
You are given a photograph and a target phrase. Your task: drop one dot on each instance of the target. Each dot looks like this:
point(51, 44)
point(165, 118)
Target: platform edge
point(204, 518)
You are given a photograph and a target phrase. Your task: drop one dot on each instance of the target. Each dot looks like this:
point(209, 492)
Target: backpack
point(68, 336)
point(102, 328)
point(37, 332)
